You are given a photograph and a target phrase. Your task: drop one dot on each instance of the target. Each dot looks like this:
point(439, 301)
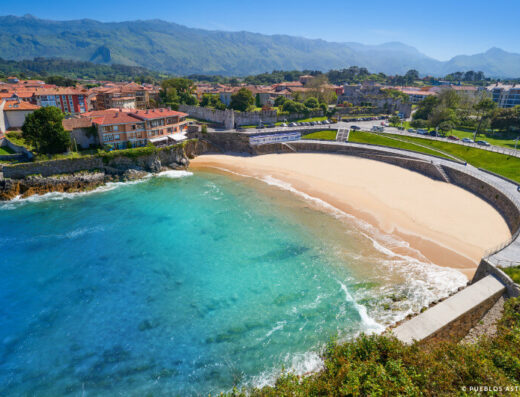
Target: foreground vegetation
point(513, 272)
point(5, 150)
point(382, 366)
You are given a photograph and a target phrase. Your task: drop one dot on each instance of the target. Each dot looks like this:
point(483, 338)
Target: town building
point(13, 114)
point(127, 95)
point(69, 99)
point(123, 128)
point(505, 95)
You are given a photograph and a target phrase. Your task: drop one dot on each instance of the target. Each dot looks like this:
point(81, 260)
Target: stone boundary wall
point(486, 268)
point(17, 148)
point(242, 118)
point(489, 193)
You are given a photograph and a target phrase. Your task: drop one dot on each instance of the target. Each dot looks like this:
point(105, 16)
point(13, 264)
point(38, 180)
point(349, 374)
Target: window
point(116, 128)
point(116, 137)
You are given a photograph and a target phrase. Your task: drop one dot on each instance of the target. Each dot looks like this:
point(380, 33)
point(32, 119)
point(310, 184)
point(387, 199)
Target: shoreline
point(393, 204)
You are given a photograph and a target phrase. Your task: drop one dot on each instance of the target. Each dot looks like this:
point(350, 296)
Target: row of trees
point(450, 109)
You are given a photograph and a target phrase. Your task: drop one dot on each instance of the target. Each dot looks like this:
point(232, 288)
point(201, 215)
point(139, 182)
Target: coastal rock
point(11, 188)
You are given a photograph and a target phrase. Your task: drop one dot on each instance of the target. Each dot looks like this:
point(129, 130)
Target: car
point(467, 140)
point(422, 132)
point(260, 127)
point(483, 143)
point(293, 125)
point(319, 122)
point(434, 133)
point(283, 125)
point(355, 127)
point(453, 138)
point(411, 130)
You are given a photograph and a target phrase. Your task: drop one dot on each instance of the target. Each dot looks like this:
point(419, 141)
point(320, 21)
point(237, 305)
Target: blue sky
point(439, 28)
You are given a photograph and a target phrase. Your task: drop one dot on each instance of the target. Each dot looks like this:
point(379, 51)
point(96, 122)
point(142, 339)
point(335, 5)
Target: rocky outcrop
point(74, 175)
point(11, 188)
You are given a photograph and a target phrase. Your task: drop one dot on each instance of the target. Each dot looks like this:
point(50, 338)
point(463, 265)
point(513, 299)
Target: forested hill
point(169, 47)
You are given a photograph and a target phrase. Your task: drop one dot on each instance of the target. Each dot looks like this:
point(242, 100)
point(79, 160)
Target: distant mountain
point(169, 47)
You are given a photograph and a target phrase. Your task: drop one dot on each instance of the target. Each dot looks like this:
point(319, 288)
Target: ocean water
point(185, 284)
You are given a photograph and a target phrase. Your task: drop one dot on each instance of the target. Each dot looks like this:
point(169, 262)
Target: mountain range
point(173, 48)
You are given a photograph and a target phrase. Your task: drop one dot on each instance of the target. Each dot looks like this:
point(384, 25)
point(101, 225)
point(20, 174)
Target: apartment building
point(128, 95)
point(505, 95)
point(123, 128)
point(69, 99)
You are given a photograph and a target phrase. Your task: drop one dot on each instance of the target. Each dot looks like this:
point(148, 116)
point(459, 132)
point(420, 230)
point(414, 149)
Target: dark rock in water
point(146, 325)
point(116, 354)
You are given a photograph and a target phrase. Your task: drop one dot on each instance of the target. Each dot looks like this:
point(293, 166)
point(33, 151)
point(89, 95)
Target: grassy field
point(502, 164)
point(16, 138)
point(374, 139)
point(5, 150)
point(325, 135)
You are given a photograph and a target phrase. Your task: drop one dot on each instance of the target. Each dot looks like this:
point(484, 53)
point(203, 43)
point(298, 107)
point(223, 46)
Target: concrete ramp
point(453, 317)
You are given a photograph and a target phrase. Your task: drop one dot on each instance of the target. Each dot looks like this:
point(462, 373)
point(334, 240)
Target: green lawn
point(513, 272)
point(502, 164)
point(375, 139)
point(5, 150)
point(327, 135)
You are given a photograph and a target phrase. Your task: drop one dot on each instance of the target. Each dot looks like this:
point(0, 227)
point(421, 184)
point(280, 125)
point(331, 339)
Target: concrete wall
point(242, 118)
point(453, 317)
point(485, 269)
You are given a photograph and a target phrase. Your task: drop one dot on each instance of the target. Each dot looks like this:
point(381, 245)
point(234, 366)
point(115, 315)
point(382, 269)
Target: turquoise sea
point(185, 284)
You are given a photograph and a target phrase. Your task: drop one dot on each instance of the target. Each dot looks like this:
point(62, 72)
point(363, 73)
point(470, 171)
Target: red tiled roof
point(157, 113)
point(19, 105)
point(81, 122)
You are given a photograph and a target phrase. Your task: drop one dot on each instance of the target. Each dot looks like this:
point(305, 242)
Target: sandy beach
point(448, 225)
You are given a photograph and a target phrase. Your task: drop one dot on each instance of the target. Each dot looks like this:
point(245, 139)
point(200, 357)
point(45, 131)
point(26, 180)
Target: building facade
point(124, 128)
point(505, 95)
point(69, 100)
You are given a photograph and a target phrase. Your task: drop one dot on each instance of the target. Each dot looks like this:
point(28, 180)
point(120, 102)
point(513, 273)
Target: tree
point(213, 101)
point(425, 107)
point(242, 100)
point(411, 76)
point(294, 107)
point(484, 108)
point(279, 101)
point(311, 103)
point(446, 126)
point(394, 120)
point(506, 119)
point(184, 88)
point(169, 97)
point(44, 130)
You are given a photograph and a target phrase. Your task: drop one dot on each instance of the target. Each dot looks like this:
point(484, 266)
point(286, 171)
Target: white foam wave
point(300, 364)
point(371, 325)
point(174, 174)
point(279, 325)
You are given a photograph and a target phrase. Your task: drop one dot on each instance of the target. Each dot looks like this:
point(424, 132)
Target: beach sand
point(446, 224)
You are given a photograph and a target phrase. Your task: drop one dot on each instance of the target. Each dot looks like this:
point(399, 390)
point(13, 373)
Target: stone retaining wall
point(17, 148)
